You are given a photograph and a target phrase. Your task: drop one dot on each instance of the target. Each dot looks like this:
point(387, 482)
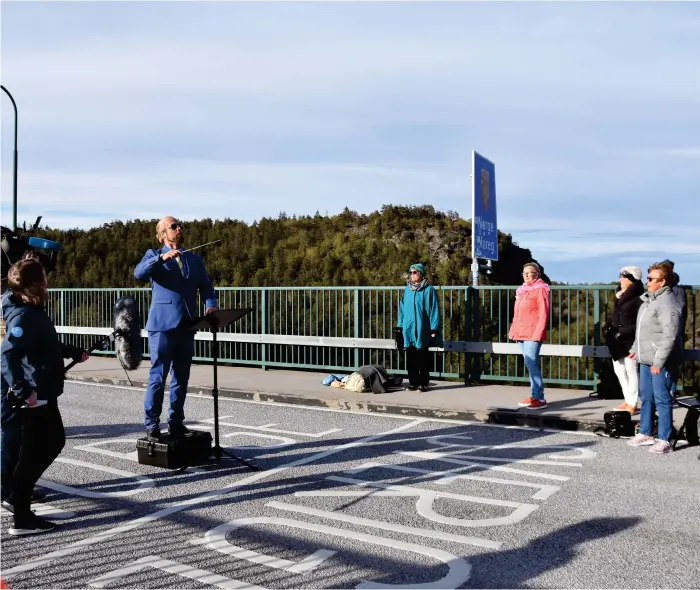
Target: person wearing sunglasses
point(529, 329)
point(619, 334)
point(175, 277)
point(657, 348)
point(419, 319)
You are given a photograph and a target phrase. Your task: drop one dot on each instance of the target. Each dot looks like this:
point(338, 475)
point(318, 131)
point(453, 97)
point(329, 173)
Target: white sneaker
point(641, 440)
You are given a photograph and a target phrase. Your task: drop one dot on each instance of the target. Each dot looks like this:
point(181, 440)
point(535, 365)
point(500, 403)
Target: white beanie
point(634, 271)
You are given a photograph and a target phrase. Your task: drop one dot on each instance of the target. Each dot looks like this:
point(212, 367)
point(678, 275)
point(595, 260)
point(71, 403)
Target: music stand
point(214, 321)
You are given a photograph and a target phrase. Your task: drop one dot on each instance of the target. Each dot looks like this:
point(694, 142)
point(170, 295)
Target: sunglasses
point(650, 279)
point(175, 226)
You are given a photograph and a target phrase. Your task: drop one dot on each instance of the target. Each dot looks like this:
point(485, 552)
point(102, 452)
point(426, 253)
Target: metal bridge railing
point(340, 328)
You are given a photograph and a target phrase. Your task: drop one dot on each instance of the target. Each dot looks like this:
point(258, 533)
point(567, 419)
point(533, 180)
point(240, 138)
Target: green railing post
point(596, 336)
point(263, 328)
point(356, 330)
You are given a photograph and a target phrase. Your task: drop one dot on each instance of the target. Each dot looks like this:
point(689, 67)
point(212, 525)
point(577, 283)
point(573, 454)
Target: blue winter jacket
point(419, 316)
point(32, 354)
point(174, 290)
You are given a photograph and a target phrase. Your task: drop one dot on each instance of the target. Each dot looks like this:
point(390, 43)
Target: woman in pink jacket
point(529, 328)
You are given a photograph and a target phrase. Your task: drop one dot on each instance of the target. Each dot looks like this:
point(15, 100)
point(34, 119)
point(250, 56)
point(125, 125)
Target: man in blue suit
point(175, 277)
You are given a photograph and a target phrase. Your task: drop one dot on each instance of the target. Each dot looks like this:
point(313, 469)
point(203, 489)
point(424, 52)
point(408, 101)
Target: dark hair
point(27, 281)
point(665, 269)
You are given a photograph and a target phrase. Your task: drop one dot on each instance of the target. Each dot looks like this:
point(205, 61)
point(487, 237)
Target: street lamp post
point(14, 181)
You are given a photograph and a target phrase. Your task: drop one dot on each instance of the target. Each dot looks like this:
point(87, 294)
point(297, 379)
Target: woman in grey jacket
point(658, 349)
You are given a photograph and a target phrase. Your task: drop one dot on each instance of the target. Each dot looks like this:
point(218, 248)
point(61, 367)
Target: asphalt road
point(346, 500)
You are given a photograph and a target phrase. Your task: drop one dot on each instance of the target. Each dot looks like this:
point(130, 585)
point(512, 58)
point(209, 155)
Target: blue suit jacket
point(174, 296)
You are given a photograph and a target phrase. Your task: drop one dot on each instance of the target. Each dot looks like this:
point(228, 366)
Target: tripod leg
point(239, 459)
point(215, 394)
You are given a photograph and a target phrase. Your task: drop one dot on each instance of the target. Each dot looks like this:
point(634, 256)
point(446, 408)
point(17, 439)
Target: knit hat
point(632, 272)
point(419, 267)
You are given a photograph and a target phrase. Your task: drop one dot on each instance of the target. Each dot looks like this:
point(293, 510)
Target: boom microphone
point(127, 331)
point(126, 335)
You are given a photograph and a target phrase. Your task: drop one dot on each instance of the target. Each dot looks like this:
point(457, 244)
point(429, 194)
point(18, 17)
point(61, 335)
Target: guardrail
point(340, 328)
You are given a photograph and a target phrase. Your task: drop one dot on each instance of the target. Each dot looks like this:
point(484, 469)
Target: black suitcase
point(175, 453)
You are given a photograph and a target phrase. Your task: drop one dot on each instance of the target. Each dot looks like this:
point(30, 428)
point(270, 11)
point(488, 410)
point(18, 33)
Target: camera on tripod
point(17, 244)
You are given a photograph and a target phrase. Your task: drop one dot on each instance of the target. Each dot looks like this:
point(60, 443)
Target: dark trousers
point(418, 366)
point(43, 438)
point(169, 350)
point(10, 439)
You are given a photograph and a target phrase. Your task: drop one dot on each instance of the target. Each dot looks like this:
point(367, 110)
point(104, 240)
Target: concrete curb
point(501, 416)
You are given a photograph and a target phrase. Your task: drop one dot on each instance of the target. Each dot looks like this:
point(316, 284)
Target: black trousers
point(418, 366)
point(43, 439)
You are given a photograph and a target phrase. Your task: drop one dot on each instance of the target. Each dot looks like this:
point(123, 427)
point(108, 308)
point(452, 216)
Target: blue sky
point(590, 111)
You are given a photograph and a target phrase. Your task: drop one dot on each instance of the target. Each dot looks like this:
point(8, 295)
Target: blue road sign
point(484, 220)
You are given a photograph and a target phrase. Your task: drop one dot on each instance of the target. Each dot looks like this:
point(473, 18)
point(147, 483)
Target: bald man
point(175, 277)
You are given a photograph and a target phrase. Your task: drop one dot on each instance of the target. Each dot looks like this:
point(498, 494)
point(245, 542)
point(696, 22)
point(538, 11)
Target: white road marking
point(380, 524)
point(285, 441)
point(92, 448)
point(268, 428)
point(172, 567)
point(582, 453)
point(426, 499)
point(466, 453)
point(458, 573)
point(216, 540)
point(446, 458)
point(144, 482)
point(448, 476)
point(184, 504)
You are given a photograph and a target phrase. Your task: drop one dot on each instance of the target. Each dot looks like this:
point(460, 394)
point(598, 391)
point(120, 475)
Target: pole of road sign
point(14, 165)
point(475, 263)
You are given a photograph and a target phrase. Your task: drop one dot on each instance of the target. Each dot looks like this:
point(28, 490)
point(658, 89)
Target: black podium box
point(172, 453)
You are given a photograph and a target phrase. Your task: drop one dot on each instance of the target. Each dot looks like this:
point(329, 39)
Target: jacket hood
point(9, 304)
point(675, 280)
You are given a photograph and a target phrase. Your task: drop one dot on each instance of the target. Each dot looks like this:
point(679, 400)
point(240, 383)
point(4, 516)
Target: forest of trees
point(344, 249)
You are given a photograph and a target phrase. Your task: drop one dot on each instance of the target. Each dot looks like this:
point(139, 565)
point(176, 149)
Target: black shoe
point(38, 496)
point(411, 388)
point(423, 387)
point(180, 431)
point(8, 505)
point(154, 434)
point(32, 526)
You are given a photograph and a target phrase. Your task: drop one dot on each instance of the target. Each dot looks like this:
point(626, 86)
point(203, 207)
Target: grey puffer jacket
point(658, 340)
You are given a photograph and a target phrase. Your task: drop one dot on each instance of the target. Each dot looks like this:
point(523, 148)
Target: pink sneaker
point(661, 447)
point(641, 440)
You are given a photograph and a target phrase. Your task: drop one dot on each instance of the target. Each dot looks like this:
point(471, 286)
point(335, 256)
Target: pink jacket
point(531, 312)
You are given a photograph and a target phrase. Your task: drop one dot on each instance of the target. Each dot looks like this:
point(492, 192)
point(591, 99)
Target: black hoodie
point(32, 354)
point(679, 293)
point(623, 322)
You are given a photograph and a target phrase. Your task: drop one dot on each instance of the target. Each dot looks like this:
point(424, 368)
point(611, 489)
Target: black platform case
point(175, 453)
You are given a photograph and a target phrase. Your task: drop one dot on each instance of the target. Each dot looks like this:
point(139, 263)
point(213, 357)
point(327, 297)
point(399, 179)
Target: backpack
point(618, 423)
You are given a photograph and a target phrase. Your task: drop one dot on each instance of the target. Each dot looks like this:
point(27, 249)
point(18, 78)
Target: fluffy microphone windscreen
point(127, 327)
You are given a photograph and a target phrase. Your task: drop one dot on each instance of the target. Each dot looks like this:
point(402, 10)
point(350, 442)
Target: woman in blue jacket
point(32, 380)
point(419, 319)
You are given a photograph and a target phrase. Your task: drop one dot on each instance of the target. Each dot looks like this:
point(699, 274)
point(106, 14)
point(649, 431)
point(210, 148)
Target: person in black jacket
point(32, 380)
point(619, 334)
point(678, 293)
